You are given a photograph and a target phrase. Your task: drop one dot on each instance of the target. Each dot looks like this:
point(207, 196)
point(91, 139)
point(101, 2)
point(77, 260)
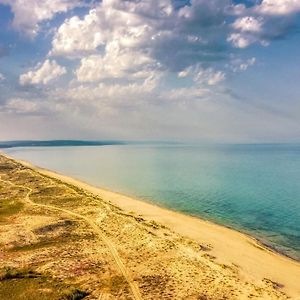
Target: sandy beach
point(254, 263)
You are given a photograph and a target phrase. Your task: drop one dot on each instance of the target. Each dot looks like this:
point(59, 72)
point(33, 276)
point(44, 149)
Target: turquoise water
point(252, 188)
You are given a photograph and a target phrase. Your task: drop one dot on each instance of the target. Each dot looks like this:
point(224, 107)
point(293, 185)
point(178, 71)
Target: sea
point(253, 188)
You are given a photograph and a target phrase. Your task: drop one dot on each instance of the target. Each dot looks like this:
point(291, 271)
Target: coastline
point(255, 261)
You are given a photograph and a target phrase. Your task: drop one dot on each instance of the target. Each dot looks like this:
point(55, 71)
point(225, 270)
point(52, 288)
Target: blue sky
point(204, 70)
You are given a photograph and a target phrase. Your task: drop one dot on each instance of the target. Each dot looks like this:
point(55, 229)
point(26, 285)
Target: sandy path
point(133, 286)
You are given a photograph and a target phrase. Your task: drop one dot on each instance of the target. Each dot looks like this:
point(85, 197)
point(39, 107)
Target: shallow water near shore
point(252, 188)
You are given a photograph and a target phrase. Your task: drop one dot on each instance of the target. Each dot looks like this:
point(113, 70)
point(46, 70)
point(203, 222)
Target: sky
point(182, 70)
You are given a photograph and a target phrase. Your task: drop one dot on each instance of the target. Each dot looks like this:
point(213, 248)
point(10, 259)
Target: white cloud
point(240, 40)
point(112, 21)
point(174, 38)
point(126, 40)
point(21, 106)
point(2, 77)
point(116, 63)
point(209, 76)
point(248, 24)
point(43, 73)
point(76, 36)
point(243, 39)
point(30, 13)
point(264, 22)
point(109, 93)
point(238, 9)
point(238, 64)
point(183, 74)
point(202, 76)
point(245, 65)
point(278, 7)
point(186, 94)
point(248, 31)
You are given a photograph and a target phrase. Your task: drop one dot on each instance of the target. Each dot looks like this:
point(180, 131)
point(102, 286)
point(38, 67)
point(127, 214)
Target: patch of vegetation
point(17, 274)
point(204, 248)
point(55, 226)
point(25, 284)
point(116, 283)
point(154, 283)
point(62, 199)
point(9, 207)
point(209, 256)
point(74, 294)
point(48, 241)
point(274, 284)
point(23, 176)
point(35, 246)
point(153, 224)
point(50, 191)
point(6, 167)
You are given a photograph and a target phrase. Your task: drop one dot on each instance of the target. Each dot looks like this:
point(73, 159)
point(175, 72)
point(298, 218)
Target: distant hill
point(57, 143)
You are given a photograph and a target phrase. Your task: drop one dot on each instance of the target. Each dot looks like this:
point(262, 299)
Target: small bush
point(17, 274)
point(74, 294)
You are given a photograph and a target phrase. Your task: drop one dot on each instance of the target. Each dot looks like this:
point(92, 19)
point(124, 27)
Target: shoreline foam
point(255, 260)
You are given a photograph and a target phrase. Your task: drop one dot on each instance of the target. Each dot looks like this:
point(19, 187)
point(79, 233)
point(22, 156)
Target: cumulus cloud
point(76, 37)
point(247, 24)
point(248, 30)
point(244, 40)
point(172, 38)
point(30, 13)
point(43, 73)
point(129, 23)
point(116, 63)
point(127, 40)
point(2, 77)
point(278, 7)
point(121, 46)
point(264, 22)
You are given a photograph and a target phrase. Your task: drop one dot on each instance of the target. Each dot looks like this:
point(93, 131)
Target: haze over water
point(252, 188)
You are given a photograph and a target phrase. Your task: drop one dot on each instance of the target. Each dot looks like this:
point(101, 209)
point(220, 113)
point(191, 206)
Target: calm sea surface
point(252, 188)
